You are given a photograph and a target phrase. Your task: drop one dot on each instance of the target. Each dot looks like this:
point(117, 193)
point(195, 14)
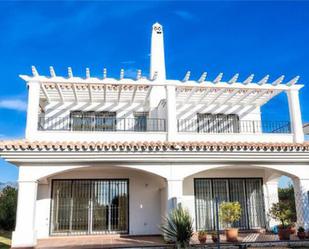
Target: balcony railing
point(233, 126)
point(108, 124)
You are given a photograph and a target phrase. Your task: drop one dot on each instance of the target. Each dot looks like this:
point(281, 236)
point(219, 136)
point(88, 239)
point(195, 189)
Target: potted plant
point(214, 236)
point(281, 212)
point(292, 228)
point(177, 227)
point(230, 212)
point(202, 236)
point(301, 233)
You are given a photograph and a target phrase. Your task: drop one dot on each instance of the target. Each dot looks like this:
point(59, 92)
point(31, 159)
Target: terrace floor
point(118, 241)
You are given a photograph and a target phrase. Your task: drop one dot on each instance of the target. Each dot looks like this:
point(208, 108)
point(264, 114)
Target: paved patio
point(118, 241)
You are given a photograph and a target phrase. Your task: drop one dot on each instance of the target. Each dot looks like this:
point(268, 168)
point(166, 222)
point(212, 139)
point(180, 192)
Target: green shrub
point(281, 212)
point(8, 204)
point(177, 227)
point(229, 212)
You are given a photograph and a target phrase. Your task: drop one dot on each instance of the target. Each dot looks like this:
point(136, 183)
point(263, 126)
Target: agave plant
point(177, 227)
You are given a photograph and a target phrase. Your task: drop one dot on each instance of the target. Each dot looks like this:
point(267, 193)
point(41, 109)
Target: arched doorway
point(254, 187)
point(103, 199)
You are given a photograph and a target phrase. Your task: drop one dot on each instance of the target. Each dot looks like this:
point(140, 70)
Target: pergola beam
point(90, 93)
point(264, 80)
point(278, 81)
point(193, 90)
point(45, 93)
point(202, 78)
point(204, 95)
point(139, 74)
point(119, 93)
point(293, 81)
point(187, 76)
point(52, 71)
point(147, 94)
point(248, 80)
point(70, 73)
point(60, 93)
point(121, 74)
point(75, 93)
point(87, 73)
point(34, 71)
point(219, 93)
point(133, 94)
point(234, 79)
point(218, 78)
point(104, 95)
point(104, 73)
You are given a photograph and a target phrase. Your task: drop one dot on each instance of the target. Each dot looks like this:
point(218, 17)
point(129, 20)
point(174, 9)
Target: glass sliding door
point(89, 206)
point(247, 191)
point(238, 193)
point(204, 205)
point(255, 202)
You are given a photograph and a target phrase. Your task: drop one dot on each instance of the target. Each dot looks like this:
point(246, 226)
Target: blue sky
point(231, 37)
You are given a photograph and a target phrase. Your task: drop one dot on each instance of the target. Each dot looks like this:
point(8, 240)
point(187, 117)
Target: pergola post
point(295, 115)
point(33, 109)
point(171, 112)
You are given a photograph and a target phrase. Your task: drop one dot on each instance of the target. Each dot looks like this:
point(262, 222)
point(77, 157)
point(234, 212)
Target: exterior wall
point(150, 193)
point(144, 199)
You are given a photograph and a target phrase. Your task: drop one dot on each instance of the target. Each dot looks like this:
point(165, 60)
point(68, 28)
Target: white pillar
point(270, 197)
point(295, 115)
point(301, 192)
point(171, 113)
point(25, 234)
point(174, 193)
point(33, 109)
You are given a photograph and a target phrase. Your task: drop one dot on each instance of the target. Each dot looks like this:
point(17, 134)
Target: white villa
point(109, 156)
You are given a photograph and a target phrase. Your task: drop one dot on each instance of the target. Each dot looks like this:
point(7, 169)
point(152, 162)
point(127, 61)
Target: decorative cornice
point(32, 146)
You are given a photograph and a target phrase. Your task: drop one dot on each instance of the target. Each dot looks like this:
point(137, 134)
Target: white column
point(301, 192)
point(171, 113)
point(33, 109)
point(295, 115)
point(174, 193)
point(270, 197)
point(25, 234)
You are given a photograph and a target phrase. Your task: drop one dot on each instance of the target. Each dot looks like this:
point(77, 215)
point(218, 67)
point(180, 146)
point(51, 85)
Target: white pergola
point(205, 92)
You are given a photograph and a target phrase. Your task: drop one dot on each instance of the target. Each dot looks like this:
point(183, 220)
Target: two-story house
point(108, 156)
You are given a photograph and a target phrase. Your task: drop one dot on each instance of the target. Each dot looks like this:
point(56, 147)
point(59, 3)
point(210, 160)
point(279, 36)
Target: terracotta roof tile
point(25, 145)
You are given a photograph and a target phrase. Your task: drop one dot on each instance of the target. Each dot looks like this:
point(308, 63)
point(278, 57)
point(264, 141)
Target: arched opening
point(254, 187)
point(101, 199)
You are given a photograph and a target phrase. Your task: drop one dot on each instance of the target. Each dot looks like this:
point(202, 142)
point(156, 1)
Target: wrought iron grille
point(101, 124)
point(248, 192)
point(219, 125)
point(89, 207)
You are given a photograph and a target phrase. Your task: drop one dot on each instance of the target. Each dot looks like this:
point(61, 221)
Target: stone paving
point(118, 241)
